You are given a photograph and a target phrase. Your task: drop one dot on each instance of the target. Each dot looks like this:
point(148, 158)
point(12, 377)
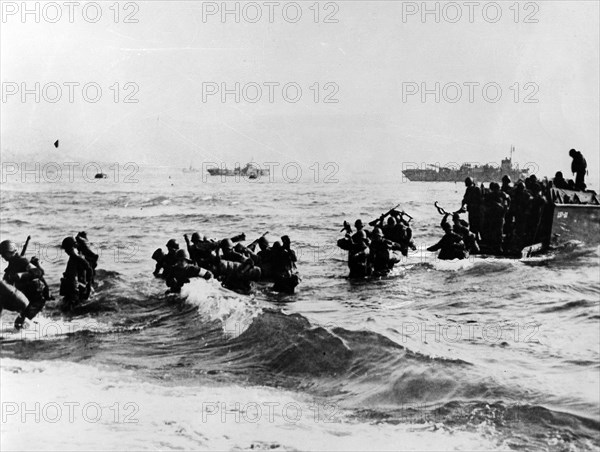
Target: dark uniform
point(473, 200)
point(284, 266)
point(183, 270)
point(579, 168)
point(495, 206)
point(451, 245)
point(28, 279)
point(380, 253)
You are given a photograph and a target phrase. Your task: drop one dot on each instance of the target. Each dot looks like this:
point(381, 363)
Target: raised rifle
point(374, 222)
point(253, 244)
point(24, 250)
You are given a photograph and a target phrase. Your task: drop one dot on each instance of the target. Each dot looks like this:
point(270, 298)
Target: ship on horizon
point(249, 170)
point(479, 173)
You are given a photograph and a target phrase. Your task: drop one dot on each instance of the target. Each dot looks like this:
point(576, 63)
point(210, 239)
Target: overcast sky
point(370, 54)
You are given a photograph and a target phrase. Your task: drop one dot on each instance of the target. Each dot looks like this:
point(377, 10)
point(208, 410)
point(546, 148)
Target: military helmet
point(182, 254)
point(173, 244)
point(8, 247)
point(158, 254)
point(197, 237)
point(226, 244)
point(377, 232)
point(468, 181)
point(68, 243)
point(358, 223)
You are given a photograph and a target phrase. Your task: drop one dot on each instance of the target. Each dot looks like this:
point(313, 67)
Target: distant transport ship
point(191, 169)
point(480, 173)
point(250, 171)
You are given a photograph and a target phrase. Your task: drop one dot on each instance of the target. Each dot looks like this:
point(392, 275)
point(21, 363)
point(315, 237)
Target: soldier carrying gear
point(27, 277)
point(76, 283)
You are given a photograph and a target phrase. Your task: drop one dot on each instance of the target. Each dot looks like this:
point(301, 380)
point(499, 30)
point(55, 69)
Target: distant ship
point(191, 169)
point(249, 170)
point(480, 173)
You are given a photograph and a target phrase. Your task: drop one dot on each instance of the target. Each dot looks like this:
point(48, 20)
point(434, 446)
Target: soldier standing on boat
point(579, 168)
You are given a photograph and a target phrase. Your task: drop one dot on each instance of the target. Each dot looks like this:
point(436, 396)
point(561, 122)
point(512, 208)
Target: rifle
point(443, 211)
point(374, 222)
point(24, 250)
point(253, 244)
point(404, 213)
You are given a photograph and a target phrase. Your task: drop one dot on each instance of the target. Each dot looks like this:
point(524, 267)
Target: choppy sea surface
point(482, 354)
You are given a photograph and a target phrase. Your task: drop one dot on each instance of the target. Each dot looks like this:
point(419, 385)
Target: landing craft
point(575, 216)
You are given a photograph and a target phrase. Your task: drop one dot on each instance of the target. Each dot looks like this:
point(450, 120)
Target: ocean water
point(482, 354)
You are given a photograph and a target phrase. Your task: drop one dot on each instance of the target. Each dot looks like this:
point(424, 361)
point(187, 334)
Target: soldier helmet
point(226, 244)
point(468, 181)
point(68, 243)
point(506, 179)
point(197, 237)
point(358, 223)
point(182, 255)
point(158, 254)
point(8, 247)
point(377, 232)
point(172, 244)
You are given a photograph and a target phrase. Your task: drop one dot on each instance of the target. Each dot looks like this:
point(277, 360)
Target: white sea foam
point(44, 328)
point(82, 407)
point(234, 311)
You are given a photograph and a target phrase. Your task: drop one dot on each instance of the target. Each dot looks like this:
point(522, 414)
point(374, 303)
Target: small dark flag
point(56, 144)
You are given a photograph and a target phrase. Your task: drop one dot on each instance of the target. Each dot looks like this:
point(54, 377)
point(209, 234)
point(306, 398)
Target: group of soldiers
point(504, 218)
point(24, 288)
point(228, 260)
point(374, 253)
